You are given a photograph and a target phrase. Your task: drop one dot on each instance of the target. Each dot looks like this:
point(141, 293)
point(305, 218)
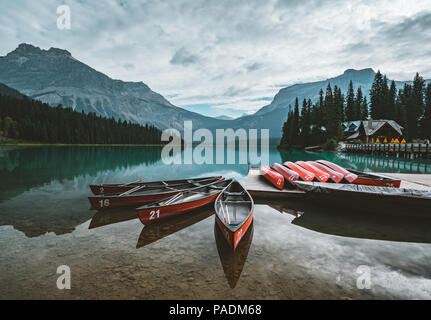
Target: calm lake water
point(45, 222)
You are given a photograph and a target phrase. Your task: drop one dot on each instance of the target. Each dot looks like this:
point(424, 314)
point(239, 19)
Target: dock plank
point(258, 186)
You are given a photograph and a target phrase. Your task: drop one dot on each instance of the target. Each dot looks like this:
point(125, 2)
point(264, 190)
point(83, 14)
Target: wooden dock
point(405, 150)
point(259, 187)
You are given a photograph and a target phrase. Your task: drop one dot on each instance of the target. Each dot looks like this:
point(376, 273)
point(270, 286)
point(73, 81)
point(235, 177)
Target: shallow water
point(45, 222)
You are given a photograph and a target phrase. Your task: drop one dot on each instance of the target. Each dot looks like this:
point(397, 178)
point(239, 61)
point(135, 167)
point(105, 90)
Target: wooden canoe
point(233, 261)
point(335, 176)
point(138, 198)
point(113, 188)
point(303, 173)
point(318, 174)
point(289, 175)
point(276, 179)
point(234, 212)
point(180, 203)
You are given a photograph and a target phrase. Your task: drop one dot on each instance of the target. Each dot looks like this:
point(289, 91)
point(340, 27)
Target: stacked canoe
point(287, 174)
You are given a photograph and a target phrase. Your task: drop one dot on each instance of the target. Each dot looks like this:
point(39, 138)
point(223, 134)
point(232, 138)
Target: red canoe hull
point(334, 175)
point(272, 176)
point(318, 174)
point(233, 238)
point(120, 188)
point(289, 175)
point(347, 174)
point(150, 215)
point(303, 173)
point(106, 202)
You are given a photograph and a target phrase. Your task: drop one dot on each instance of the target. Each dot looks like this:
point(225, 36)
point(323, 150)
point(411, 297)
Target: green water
point(45, 222)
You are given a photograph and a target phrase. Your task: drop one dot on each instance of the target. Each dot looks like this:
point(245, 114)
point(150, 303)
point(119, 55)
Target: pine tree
point(426, 123)
point(392, 95)
point(364, 109)
point(416, 107)
point(377, 99)
point(350, 103)
point(294, 133)
point(357, 104)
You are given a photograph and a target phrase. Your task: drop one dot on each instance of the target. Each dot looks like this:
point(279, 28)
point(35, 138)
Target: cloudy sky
point(228, 57)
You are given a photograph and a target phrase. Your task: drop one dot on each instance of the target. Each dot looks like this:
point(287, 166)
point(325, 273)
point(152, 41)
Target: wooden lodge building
point(370, 131)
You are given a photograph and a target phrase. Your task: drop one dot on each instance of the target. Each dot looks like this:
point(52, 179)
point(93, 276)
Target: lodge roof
point(372, 126)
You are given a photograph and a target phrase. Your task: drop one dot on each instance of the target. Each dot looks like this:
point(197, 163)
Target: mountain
point(53, 76)
point(273, 116)
point(6, 91)
point(224, 118)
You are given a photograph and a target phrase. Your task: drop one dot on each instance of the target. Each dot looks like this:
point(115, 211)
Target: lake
point(293, 251)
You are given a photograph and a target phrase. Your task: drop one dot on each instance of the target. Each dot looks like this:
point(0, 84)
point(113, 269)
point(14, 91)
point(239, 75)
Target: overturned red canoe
point(234, 212)
point(347, 175)
point(113, 188)
point(318, 174)
point(289, 175)
point(303, 173)
point(180, 203)
point(272, 176)
point(335, 176)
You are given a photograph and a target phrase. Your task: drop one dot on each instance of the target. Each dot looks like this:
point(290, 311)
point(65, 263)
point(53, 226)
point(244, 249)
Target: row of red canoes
point(321, 171)
point(164, 199)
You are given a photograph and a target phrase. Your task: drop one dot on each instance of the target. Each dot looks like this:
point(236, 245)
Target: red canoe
point(370, 179)
point(182, 202)
point(303, 173)
point(234, 212)
point(112, 188)
point(318, 174)
point(363, 178)
point(335, 176)
point(138, 198)
point(347, 175)
point(289, 175)
point(272, 176)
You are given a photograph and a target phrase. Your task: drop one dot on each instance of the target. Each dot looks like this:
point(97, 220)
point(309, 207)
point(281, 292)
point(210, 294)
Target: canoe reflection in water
point(233, 261)
point(355, 224)
point(114, 215)
point(163, 228)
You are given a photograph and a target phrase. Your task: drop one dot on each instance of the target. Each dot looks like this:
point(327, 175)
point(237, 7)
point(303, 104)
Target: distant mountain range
point(55, 77)
point(224, 118)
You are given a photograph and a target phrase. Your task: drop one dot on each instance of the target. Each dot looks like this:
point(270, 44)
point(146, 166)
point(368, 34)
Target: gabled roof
point(349, 124)
point(372, 126)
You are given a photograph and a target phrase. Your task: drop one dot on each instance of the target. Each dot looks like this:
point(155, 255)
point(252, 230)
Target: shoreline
point(30, 144)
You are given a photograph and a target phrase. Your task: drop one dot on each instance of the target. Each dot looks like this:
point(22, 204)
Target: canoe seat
point(235, 193)
point(235, 201)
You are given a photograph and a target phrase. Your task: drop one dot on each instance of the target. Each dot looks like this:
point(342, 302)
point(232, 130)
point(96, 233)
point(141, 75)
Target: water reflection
point(112, 216)
point(166, 227)
point(356, 224)
point(233, 261)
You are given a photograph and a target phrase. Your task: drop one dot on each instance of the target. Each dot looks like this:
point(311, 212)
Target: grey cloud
point(183, 57)
point(129, 66)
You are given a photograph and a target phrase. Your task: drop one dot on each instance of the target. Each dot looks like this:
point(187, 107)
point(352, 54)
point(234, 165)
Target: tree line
point(320, 123)
point(33, 120)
